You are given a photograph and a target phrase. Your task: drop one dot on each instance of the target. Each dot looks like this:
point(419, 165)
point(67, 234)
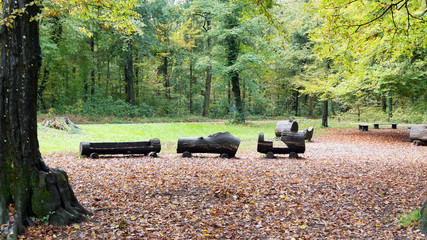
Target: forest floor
point(348, 185)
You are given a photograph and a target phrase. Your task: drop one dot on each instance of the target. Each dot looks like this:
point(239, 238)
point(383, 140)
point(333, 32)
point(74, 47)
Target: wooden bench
point(377, 125)
point(294, 140)
point(363, 127)
point(93, 150)
point(222, 142)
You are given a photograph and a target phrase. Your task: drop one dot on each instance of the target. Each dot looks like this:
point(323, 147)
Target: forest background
point(224, 59)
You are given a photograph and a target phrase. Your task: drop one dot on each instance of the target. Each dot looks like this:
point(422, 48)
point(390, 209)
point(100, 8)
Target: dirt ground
point(347, 185)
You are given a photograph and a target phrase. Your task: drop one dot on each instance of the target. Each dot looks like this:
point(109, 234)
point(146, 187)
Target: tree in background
point(379, 49)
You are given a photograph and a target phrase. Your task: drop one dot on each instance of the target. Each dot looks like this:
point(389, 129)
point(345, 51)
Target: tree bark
point(208, 83)
point(190, 91)
point(325, 114)
point(28, 187)
point(310, 106)
point(214, 143)
point(232, 42)
point(129, 79)
point(92, 72)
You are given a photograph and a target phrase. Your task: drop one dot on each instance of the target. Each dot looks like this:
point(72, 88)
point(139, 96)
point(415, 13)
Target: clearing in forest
point(349, 184)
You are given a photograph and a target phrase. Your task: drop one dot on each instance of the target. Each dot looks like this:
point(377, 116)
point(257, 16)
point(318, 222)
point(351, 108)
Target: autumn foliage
point(348, 185)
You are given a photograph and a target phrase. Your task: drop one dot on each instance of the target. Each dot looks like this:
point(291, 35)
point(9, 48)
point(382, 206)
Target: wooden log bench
point(308, 133)
point(363, 127)
point(294, 140)
point(285, 127)
point(418, 135)
point(94, 149)
point(223, 143)
point(377, 125)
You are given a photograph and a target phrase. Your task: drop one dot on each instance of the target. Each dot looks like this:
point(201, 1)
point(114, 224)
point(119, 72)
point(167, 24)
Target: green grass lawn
point(52, 140)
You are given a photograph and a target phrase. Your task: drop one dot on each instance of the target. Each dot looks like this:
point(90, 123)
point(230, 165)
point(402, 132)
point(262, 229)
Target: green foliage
point(103, 106)
point(412, 218)
point(283, 58)
point(44, 220)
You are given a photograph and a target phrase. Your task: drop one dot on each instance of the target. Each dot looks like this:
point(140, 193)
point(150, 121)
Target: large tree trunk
point(325, 113)
point(28, 188)
point(232, 41)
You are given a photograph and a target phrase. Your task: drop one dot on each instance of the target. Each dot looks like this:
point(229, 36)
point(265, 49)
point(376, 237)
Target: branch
point(389, 8)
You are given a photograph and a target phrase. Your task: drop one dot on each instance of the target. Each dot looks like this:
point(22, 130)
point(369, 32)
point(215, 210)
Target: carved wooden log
point(308, 133)
point(419, 134)
point(295, 141)
point(94, 149)
point(222, 143)
point(285, 127)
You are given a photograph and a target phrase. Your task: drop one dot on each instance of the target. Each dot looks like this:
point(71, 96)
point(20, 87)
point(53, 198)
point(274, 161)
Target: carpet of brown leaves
point(348, 185)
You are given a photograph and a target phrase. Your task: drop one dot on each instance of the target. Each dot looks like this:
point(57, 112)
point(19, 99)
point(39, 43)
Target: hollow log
point(285, 127)
point(419, 133)
point(62, 123)
point(145, 147)
point(222, 142)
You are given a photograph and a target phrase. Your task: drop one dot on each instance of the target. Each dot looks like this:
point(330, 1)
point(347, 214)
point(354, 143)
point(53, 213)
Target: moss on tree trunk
point(28, 187)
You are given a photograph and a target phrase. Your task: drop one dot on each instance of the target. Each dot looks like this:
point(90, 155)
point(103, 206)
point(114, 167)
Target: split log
point(93, 150)
point(419, 134)
point(62, 123)
point(222, 143)
point(285, 127)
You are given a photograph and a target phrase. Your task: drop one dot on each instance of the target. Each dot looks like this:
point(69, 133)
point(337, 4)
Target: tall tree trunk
point(190, 91)
point(92, 73)
point(390, 106)
point(208, 83)
point(325, 113)
point(130, 93)
point(164, 72)
point(136, 80)
point(296, 103)
point(310, 106)
point(28, 187)
point(384, 104)
point(232, 42)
